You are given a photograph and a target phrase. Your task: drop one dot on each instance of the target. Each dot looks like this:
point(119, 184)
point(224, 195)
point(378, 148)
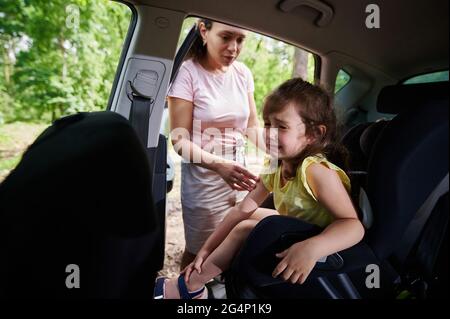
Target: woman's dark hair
point(198, 50)
point(314, 105)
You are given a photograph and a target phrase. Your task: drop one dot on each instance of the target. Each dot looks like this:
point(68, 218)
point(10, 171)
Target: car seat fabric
point(351, 140)
point(409, 160)
point(80, 195)
point(368, 138)
point(256, 261)
point(429, 247)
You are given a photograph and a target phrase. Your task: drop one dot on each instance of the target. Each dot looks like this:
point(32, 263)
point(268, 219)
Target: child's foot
point(170, 289)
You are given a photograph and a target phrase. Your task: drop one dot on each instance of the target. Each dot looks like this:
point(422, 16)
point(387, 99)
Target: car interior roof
point(412, 38)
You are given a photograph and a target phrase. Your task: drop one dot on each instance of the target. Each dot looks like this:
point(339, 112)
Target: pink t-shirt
point(220, 101)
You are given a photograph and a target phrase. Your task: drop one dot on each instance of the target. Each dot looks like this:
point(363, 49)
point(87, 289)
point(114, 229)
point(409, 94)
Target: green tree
point(270, 62)
point(11, 31)
point(68, 58)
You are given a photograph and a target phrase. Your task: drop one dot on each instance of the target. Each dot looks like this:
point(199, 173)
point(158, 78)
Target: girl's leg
point(220, 259)
point(261, 213)
point(216, 262)
point(186, 259)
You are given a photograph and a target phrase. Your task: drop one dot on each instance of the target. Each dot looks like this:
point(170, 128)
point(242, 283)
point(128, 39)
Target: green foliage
point(9, 163)
point(59, 56)
point(14, 139)
point(341, 80)
point(270, 62)
point(52, 66)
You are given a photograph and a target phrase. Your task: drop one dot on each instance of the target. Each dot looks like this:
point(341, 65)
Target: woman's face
point(285, 134)
point(223, 43)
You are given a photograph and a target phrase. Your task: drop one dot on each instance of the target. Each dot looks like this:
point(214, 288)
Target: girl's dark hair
point(314, 105)
point(198, 50)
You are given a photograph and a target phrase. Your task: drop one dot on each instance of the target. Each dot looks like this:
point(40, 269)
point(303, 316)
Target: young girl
point(299, 119)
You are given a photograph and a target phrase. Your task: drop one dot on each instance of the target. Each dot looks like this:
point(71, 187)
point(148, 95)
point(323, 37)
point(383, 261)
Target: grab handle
point(326, 12)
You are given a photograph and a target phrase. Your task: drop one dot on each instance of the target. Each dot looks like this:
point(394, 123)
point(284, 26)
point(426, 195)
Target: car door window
point(57, 58)
point(428, 78)
point(342, 79)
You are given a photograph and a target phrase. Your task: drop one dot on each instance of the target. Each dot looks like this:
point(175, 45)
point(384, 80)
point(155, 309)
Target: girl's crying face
point(285, 133)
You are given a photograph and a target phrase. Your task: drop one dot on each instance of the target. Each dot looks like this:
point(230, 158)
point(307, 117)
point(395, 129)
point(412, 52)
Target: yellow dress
point(295, 198)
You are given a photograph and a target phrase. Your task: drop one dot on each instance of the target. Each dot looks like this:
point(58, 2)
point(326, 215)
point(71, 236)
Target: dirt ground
point(14, 139)
point(174, 225)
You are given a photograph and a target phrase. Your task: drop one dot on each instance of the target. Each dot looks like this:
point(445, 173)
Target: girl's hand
point(298, 261)
point(195, 265)
point(238, 177)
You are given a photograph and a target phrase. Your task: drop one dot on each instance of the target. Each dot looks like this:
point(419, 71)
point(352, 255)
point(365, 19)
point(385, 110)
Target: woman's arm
point(181, 119)
point(344, 232)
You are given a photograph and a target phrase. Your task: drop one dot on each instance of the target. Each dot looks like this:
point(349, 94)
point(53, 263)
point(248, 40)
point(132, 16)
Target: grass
point(14, 140)
point(9, 163)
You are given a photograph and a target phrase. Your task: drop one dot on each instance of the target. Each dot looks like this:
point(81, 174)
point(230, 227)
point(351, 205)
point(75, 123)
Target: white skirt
point(205, 200)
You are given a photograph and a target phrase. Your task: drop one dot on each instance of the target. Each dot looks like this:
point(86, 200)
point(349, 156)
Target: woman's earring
point(204, 42)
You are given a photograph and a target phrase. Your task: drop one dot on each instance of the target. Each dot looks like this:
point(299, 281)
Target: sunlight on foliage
point(59, 57)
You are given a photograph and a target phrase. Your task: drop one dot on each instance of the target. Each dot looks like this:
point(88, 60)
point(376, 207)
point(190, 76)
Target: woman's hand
point(195, 265)
point(298, 261)
point(238, 177)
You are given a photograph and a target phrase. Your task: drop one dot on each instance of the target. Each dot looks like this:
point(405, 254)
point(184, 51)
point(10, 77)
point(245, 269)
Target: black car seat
point(80, 197)
point(407, 162)
point(359, 143)
point(351, 140)
point(368, 139)
point(413, 149)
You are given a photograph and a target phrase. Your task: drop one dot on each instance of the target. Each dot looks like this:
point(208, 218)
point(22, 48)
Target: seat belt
point(141, 92)
point(415, 227)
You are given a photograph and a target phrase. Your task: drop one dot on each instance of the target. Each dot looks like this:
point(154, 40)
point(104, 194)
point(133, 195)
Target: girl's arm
point(181, 119)
point(236, 214)
point(344, 232)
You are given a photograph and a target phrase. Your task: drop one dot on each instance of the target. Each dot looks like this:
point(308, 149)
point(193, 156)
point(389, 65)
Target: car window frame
point(123, 54)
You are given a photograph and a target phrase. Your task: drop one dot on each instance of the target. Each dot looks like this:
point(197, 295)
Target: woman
point(212, 108)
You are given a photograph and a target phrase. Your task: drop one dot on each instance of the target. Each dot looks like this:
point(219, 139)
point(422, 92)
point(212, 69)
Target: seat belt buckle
point(143, 85)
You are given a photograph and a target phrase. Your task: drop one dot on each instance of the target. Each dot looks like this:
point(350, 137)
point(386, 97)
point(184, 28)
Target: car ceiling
point(412, 38)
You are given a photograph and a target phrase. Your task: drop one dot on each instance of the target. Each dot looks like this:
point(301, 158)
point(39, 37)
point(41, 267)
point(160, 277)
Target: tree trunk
point(8, 49)
point(8, 62)
point(61, 106)
point(300, 64)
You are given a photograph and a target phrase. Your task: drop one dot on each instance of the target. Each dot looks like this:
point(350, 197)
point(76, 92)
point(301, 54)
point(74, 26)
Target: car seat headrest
point(394, 99)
